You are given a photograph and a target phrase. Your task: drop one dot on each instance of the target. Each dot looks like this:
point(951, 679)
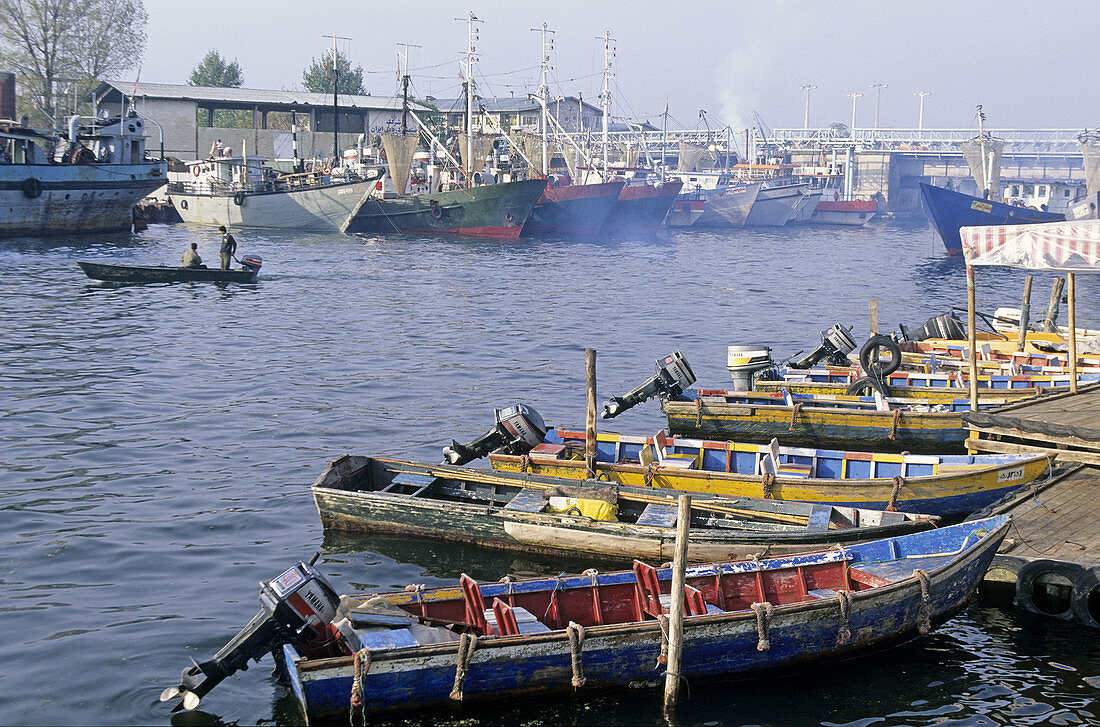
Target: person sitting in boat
point(191, 258)
point(228, 249)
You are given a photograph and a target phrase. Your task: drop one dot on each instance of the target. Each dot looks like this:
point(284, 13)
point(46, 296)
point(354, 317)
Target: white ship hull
point(774, 205)
point(729, 207)
point(70, 198)
point(804, 210)
point(317, 208)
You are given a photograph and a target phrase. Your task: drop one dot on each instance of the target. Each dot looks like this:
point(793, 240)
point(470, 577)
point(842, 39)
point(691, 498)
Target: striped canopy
point(1067, 246)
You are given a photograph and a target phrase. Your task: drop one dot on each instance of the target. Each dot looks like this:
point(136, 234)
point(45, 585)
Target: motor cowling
point(673, 375)
point(297, 606)
point(518, 428)
point(252, 263)
point(836, 344)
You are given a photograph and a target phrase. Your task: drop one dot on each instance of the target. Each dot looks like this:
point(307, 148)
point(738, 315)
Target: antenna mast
point(605, 95)
point(335, 108)
point(544, 93)
point(471, 59)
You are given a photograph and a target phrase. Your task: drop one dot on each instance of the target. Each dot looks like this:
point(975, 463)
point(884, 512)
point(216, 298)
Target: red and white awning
point(1066, 246)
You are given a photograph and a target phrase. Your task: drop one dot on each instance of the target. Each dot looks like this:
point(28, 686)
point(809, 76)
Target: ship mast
point(471, 59)
point(605, 95)
point(544, 93)
point(335, 108)
point(981, 151)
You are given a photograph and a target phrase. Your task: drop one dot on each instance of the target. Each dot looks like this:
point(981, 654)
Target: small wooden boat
point(945, 485)
point(822, 420)
point(942, 353)
point(428, 647)
point(136, 274)
point(517, 512)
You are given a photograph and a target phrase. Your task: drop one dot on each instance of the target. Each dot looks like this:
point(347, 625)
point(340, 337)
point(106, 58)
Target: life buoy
point(876, 368)
point(1030, 574)
point(327, 169)
point(183, 204)
point(195, 171)
point(866, 386)
point(238, 198)
point(32, 187)
point(1086, 598)
point(436, 212)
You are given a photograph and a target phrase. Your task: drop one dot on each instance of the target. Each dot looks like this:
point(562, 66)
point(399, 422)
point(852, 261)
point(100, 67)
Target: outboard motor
point(836, 344)
point(296, 606)
point(519, 428)
point(941, 326)
point(252, 263)
point(745, 362)
point(673, 375)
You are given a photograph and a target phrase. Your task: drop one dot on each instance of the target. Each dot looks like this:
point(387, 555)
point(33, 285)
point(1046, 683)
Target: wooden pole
point(1071, 310)
point(1052, 307)
point(972, 336)
point(676, 615)
point(1025, 312)
point(590, 417)
point(873, 309)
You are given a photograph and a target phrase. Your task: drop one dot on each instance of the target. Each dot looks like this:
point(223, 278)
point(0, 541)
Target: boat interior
point(958, 379)
point(785, 398)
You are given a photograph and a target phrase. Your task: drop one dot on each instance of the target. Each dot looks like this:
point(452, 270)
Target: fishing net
point(482, 144)
point(983, 154)
point(399, 154)
point(690, 155)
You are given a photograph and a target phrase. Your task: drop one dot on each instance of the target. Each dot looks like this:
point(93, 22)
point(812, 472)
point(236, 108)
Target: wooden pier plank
point(1065, 529)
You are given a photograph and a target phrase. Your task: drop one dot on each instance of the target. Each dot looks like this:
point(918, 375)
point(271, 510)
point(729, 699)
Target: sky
point(1029, 64)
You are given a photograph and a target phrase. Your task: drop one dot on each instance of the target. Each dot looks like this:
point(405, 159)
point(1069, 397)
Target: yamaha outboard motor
point(673, 375)
point(252, 263)
point(941, 326)
point(836, 344)
point(519, 428)
point(296, 606)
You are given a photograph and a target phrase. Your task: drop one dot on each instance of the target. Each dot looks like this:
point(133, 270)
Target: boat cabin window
point(1065, 192)
point(1015, 190)
point(1029, 190)
point(1042, 190)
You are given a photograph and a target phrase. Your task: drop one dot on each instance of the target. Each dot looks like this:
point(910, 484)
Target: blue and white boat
point(949, 210)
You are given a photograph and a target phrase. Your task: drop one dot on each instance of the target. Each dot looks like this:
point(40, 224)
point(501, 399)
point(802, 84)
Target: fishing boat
point(686, 210)
point(91, 185)
point(850, 213)
point(420, 647)
point(641, 207)
point(729, 206)
point(775, 203)
point(940, 484)
point(250, 268)
point(558, 516)
point(804, 209)
point(572, 210)
point(948, 211)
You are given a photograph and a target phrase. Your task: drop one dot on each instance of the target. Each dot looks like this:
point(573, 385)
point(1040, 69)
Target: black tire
point(865, 384)
point(1002, 589)
point(877, 368)
point(1086, 598)
point(436, 212)
point(32, 187)
point(1030, 573)
point(238, 198)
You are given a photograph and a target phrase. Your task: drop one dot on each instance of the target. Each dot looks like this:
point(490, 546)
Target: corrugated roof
point(497, 105)
point(300, 99)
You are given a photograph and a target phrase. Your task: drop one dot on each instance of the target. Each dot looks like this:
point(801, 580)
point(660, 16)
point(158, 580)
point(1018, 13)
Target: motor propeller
point(518, 428)
point(673, 375)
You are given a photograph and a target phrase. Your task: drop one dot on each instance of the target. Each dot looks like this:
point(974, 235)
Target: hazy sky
point(1031, 64)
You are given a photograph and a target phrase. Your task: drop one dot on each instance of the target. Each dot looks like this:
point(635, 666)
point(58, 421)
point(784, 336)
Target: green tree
point(318, 77)
point(214, 71)
point(51, 44)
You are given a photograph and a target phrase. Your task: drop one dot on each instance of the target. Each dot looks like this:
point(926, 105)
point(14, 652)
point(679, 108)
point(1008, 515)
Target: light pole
point(807, 88)
point(922, 94)
point(878, 97)
point(854, 96)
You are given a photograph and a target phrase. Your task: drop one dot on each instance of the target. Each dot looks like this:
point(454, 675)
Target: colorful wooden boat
point(821, 420)
point(605, 630)
point(1037, 353)
point(945, 485)
point(512, 511)
point(948, 211)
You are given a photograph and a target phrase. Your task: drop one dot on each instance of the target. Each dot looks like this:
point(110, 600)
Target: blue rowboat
point(949, 210)
point(597, 631)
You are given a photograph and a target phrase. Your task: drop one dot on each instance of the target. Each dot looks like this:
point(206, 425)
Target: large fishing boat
point(572, 209)
point(641, 207)
point(948, 211)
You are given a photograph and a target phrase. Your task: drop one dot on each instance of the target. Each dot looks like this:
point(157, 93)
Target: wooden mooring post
point(972, 336)
point(1025, 312)
point(676, 608)
point(1071, 312)
point(872, 307)
point(590, 414)
point(1049, 323)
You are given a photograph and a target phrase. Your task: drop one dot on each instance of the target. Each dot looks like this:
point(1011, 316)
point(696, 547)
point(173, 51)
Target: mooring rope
point(576, 643)
point(362, 666)
point(524, 463)
point(662, 658)
point(844, 634)
point(899, 482)
point(794, 417)
point(647, 476)
point(926, 601)
point(417, 589)
point(698, 412)
point(763, 624)
point(767, 482)
point(894, 426)
point(466, 647)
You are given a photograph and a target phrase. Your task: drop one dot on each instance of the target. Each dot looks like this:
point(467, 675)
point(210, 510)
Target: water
point(157, 444)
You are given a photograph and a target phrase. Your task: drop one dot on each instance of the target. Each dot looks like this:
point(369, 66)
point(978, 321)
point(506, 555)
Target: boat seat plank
point(794, 469)
point(820, 516)
point(892, 518)
point(387, 639)
point(527, 500)
point(822, 593)
point(404, 480)
point(876, 574)
point(658, 515)
point(513, 620)
point(692, 609)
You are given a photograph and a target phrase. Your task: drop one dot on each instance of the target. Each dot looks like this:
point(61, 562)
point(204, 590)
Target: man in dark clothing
point(229, 247)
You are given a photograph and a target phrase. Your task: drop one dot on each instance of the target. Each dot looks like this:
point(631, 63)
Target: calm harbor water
point(157, 444)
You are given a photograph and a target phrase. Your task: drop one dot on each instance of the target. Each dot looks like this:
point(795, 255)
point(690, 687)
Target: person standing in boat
point(229, 247)
point(191, 258)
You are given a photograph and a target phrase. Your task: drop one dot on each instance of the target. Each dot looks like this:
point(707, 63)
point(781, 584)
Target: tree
point(52, 42)
point(214, 71)
point(318, 77)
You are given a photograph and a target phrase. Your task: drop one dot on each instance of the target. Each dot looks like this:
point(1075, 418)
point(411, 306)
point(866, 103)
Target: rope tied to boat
point(662, 658)
point(524, 463)
point(576, 643)
point(763, 624)
point(767, 482)
point(794, 416)
point(647, 476)
point(925, 624)
point(894, 425)
point(417, 589)
point(844, 634)
point(466, 647)
point(362, 666)
point(899, 482)
point(698, 412)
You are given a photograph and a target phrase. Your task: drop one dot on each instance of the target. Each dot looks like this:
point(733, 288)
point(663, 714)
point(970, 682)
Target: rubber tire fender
point(867, 382)
point(238, 198)
point(1087, 584)
point(436, 212)
point(1028, 574)
point(32, 188)
point(876, 342)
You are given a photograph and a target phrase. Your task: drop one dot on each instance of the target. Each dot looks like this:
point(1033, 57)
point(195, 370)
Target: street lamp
point(807, 88)
point(878, 96)
point(922, 94)
point(854, 96)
